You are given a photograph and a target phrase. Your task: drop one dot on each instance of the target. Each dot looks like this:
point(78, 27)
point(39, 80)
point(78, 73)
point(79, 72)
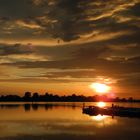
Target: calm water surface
point(63, 121)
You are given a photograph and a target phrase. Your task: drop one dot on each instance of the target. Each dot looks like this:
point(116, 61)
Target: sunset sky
point(63, 46)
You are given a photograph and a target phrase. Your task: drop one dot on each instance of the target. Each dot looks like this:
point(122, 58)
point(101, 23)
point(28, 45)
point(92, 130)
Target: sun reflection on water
point(99, 117)
point(103, 120)
point(101, 104)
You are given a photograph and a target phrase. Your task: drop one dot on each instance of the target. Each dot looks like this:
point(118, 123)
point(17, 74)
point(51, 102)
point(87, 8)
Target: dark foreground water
point(63, 121)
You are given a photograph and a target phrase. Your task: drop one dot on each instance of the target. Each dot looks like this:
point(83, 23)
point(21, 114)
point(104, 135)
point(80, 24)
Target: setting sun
point(100, 88)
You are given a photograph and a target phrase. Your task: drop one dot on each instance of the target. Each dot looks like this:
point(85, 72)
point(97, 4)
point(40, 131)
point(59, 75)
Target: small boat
point(112, 111)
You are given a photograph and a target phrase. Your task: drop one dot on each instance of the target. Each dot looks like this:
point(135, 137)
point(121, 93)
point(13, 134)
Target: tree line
point(48, 97)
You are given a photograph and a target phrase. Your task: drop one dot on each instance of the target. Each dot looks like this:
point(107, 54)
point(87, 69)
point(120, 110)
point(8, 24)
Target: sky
point(63, 46)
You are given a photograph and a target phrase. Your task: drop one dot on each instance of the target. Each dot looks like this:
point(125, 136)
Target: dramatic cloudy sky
point(63, 46)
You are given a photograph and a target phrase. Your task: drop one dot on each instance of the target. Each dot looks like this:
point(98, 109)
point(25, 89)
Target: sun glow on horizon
point(100, 88)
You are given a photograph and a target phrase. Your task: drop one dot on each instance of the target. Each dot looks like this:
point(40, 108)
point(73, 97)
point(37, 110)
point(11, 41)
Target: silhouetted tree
point(27, 96)
point(35, 97)
point(130, 99)
point(123, 100)
point(56, 98)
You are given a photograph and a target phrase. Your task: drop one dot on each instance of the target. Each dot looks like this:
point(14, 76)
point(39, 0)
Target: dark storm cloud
point(68, 20)
point(65, 19)
point(16, 9)
point(132, 10)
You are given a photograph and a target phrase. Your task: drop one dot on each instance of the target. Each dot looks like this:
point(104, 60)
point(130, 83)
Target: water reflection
point(10, 106)
point(99, 117)
point(34, 106)
point(113, 110)
point(27, 107)
point(101, 104)
point(61, 121)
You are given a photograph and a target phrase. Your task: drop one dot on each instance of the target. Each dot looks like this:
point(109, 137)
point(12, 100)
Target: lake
point(63, 121)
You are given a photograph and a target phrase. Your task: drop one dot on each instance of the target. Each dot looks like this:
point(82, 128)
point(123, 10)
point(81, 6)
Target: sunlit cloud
point(27, 25)
point(71, 41)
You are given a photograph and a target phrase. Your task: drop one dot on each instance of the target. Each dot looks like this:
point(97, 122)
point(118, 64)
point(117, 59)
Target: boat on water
point(112, 111)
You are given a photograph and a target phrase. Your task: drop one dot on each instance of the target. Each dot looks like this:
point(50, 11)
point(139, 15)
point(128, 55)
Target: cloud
point(28, 24)
point(67, 19)
point(47, 80)
point(71, 74)
point(133, 10)
point(101, 38)
point(129, 80)
point(14, 49)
